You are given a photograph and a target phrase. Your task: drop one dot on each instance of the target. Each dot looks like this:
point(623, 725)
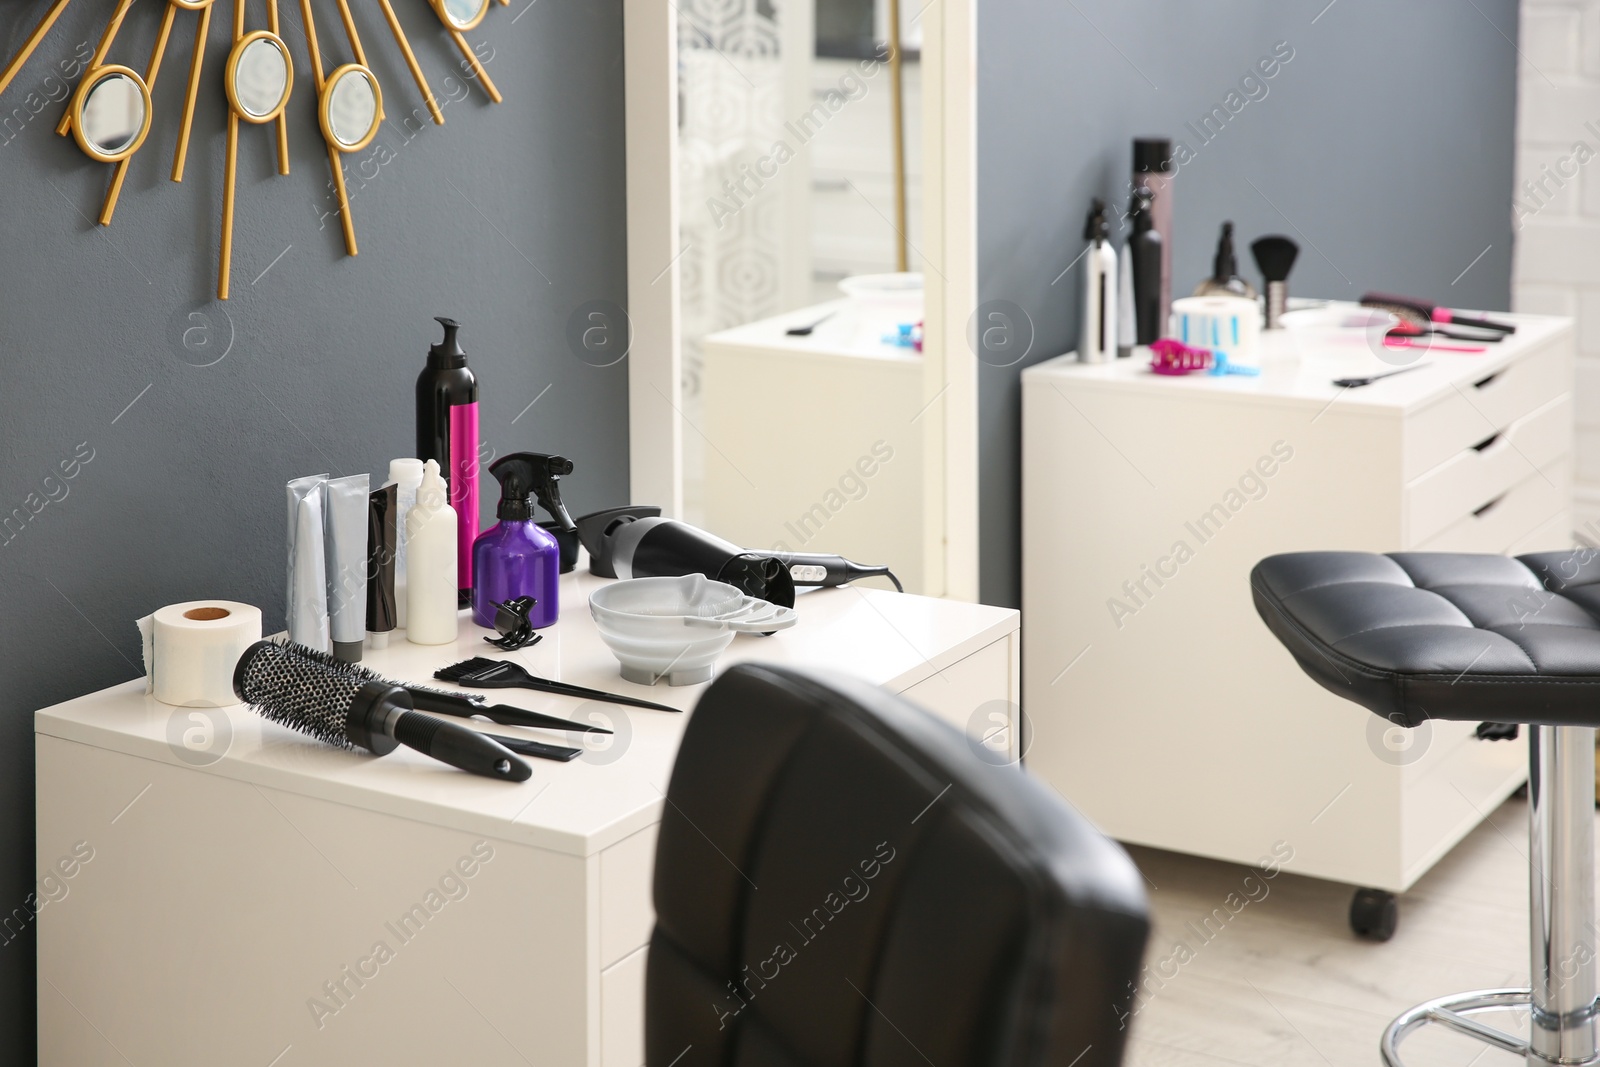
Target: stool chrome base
point(1453, 1012)
point(1563, 1004)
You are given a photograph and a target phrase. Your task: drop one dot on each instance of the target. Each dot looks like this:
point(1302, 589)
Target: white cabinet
point(233, 901)
point(1160, 704)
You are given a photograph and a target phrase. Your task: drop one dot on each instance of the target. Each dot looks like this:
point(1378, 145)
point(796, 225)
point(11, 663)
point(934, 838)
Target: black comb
point(480, 672)
point(289, 684)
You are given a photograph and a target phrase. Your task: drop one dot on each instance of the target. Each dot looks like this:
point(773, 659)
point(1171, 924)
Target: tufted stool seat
point(1412, 636)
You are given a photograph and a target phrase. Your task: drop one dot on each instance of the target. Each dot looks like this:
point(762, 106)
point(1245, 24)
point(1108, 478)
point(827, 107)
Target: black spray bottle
point(447, 433)
point(1145, 252)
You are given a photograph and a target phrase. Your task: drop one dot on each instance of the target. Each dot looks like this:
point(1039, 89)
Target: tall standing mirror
point(800, 171)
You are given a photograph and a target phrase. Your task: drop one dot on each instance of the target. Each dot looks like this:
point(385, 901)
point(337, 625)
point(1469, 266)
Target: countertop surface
point(843, 330)
point(1299, 365)
point(614, 789)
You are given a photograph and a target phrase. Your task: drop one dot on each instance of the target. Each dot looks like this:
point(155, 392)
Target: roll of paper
point(190, 651)
point(1227, 324)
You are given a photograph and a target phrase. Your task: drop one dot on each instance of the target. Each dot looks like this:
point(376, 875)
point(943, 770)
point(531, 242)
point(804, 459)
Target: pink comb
point(1169, 356)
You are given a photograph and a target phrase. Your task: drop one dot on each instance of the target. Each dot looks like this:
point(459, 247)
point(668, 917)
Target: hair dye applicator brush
point(283, 684)
point(1274, 257)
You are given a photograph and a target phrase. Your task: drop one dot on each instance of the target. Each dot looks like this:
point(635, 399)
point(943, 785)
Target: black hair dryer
point(636, 542)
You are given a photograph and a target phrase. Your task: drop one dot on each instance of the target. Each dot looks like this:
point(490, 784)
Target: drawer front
point(622, 1012)
point(1501, 522)
point(1466, 416)
point(1489, 467)
point(626, 913)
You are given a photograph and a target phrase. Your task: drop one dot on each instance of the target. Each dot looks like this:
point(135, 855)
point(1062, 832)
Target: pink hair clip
point(1169, 356)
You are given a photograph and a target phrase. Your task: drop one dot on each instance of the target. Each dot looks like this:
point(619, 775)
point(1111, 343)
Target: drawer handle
point(1486, 442)
point(1481, 382)
point(1490, 506)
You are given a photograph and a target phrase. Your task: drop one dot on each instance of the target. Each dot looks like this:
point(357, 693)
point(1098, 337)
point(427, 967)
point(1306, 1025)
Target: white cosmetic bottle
point(1097, 339)
point(406, 474)
point(431, 612)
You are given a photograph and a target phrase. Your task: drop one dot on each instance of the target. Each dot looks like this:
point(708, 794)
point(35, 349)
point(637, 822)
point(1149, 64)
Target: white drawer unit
point(1160, 705)
point(272, 900)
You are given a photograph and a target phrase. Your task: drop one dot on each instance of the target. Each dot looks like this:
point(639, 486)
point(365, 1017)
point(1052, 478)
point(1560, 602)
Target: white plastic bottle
point(1097, 340)
point(431, 563)
point(406, 474)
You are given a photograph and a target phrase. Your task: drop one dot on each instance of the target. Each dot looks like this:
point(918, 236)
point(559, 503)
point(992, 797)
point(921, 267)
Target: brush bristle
point(465, 669)
point(1274, 256)
point(302, 689)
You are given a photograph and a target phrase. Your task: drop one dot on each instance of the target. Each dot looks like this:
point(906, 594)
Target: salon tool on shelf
point(636, 542)
point(304, 693)
point(483, 673)
point(1357, 383)
point(1406, 340)
point(518, 557)
point(1224, 280)
point(1421, 310)
point(190, 650)
point(1175, 359)
point(1408, 327)
point(1097, 328)
point(447, 431)
point(1227, 325)
point(675, 628)
point(405, 475)
point(511, 622)
point(805, 330)
point(307, 590)
point(460, 705)
point(382, 547)
point(1143, 256)
point(344, 519)
point(522, 746)
point(1274, 256)
point(431, 561)
point(1153, 174)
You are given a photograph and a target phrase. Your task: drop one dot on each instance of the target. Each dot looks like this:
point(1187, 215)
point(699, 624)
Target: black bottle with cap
point(447, 432)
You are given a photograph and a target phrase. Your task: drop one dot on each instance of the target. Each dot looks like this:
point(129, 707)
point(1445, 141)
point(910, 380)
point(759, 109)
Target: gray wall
point(1385, 143)
point(508, 218)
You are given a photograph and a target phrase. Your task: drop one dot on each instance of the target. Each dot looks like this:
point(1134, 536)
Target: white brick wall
point(1556, 265)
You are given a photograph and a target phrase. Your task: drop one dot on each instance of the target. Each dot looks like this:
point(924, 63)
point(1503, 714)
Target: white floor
point(1284, 983)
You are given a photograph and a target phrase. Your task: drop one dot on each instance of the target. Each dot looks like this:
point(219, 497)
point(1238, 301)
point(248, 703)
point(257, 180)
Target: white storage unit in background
point(233, 898)
point(813, 443)
point(1161, 706)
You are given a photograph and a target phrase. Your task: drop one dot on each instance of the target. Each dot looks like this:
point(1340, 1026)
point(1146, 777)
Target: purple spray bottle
point(517, 556)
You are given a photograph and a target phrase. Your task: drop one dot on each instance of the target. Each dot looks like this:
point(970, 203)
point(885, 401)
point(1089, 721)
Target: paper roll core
point(207, 614)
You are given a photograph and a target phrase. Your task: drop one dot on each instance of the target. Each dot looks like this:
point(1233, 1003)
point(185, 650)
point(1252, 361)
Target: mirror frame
point(326, 100)
point(192, 5)
point(438, 9)
point(232, 71)
point(81, 97)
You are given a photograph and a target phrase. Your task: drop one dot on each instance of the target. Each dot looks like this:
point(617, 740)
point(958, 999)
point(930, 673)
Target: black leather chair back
point(841, 879)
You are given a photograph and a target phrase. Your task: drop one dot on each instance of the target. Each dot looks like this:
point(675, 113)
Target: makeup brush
point(281, 684)
point(1275, 258)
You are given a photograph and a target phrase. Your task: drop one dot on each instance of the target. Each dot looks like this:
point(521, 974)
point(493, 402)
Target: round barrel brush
point(284, 685)
point(1275, 257)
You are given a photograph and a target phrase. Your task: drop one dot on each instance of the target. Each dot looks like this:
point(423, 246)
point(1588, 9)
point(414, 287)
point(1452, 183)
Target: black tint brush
point(1274, 256)
point(300, 692)
point(480, 672)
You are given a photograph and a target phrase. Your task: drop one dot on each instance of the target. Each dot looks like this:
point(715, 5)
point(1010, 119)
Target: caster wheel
point(1374, 914)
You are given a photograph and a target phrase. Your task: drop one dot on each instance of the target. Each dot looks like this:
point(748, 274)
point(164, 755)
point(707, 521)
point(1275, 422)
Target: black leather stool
point(1423, 635)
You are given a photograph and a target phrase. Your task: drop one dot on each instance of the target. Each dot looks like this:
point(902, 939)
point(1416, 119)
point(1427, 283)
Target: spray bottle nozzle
point(526, 476)
point(1096, 227)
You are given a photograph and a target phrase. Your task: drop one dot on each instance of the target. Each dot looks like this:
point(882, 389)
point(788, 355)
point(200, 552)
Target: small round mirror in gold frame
point(111, 113)
point(350, 108)
point(259, 77)
point(461, 15)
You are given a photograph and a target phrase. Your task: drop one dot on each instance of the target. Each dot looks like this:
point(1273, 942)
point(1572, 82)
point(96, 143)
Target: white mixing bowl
point(675, 628)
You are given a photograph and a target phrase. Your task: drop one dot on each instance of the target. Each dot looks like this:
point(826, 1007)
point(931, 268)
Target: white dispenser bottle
point(406, 474)
point(431, 563)
point(1097, 340)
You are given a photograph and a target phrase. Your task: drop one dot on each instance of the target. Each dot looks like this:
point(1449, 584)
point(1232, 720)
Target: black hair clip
point(511, 621)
